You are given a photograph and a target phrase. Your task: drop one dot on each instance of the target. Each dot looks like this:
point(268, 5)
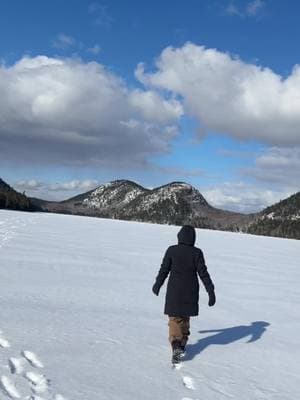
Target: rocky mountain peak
point(182, 189)
point(113, 195)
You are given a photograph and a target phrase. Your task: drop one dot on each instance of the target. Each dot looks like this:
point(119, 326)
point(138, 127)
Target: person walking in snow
point(184, 262)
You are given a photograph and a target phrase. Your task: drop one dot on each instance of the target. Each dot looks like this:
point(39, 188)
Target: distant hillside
point(281, 219)
point(13, 200)
point(176, 203)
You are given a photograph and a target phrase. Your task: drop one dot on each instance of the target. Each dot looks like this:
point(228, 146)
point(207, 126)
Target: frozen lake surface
point(79, 320)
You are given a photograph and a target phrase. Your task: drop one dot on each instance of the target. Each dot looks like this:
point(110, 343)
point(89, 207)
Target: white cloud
point(31, 184)
point(65, 111)
point(55, 191)
point(228, 95)
point(242, 197)
point(63, 41)
point(75, 184)
point(155, 108)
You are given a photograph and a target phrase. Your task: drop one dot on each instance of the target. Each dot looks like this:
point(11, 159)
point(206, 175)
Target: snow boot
point(183, 344)
point(183, 351)
point(176, 355)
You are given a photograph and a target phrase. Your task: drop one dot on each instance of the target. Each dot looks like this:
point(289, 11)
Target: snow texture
point(75, 295)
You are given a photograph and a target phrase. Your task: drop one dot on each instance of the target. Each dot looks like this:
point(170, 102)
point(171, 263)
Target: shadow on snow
point(226, 336)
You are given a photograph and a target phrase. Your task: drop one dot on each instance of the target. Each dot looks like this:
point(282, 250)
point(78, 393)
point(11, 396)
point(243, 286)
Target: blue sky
point(218, 110)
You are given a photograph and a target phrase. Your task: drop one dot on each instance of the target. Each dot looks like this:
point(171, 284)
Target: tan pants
point(179, 329)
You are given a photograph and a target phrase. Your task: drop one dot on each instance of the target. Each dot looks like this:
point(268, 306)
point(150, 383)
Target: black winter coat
point(184, 262)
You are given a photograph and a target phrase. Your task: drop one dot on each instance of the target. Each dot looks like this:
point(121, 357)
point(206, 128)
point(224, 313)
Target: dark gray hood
point(187, 235)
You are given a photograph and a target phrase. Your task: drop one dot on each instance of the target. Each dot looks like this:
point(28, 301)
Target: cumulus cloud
point(228, 95)
point(65, 111)
point(243, 197)
point(55, 191)
point(154, 107)
point(31, 185)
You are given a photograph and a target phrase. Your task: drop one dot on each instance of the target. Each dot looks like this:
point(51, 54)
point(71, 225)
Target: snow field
point(77, 291)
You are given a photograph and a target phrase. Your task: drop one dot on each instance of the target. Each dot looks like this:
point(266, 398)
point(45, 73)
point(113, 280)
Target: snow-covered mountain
point(113, 195)
point(175, 203)
point(281, 219)
point(179, 203)
point(79, 320)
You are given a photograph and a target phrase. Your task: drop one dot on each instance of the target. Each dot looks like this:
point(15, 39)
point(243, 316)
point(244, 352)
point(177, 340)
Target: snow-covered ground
point(79, 320)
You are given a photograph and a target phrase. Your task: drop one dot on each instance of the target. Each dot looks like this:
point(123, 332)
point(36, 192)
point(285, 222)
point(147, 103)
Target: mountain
point(281, 219)
point(104, 201)
point(111, 197)
point(13, 200)
point(176, 203)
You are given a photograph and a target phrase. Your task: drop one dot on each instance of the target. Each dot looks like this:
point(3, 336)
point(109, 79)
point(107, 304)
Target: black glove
point(155, 289)
point(212, 299)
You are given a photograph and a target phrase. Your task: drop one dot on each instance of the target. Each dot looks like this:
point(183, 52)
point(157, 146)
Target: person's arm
point(163, 273)
point(206, 279)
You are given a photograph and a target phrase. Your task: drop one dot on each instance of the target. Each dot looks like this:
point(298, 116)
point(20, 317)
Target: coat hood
point(187, 235)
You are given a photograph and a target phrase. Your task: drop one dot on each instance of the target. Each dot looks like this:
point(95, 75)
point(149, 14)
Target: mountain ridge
point(281, 219)
point(175, 203)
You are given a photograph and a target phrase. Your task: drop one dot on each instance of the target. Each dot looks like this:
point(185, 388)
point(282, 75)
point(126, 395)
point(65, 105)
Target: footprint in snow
point(38, 383)
point(177, 367)
point(3, 342)
point(16, 365)
point(9, 388)
point(188, 382)
point(32, 359)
